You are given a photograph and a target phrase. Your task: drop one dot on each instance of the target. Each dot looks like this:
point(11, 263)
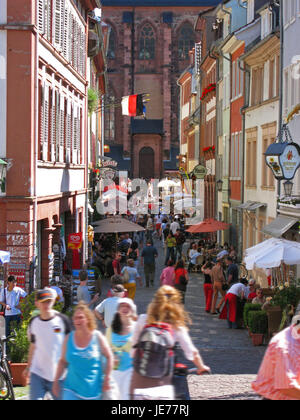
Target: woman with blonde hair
point(82, 357)
point(165, 309)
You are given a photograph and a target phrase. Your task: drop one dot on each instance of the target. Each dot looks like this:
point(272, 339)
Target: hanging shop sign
point(283, 159)
point(75, 240)
point(199, 172)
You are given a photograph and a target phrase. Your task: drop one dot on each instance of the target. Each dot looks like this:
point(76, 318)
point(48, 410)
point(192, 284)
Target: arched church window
point(186, 42)
point(147, 43)
point(109, 119)
point(111, 51)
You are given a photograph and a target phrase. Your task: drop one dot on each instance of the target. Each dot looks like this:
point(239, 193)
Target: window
point(58, 21)
point(147, 43)
point(237, 80)
point(251, 157)
point(111, 51)
point(250, 11)
point(186, 42)
point(236, 161)
point(257, 86)
point(268, 136)
point(109, 120)
point(289, 11)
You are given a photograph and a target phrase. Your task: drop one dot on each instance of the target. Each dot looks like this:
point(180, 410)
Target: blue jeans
point(8, 320)
point(40, 386)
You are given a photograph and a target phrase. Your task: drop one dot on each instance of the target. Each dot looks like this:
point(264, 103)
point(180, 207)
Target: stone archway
point(147, 163)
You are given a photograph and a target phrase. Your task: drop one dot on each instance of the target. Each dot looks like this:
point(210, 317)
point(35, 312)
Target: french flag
point(133, 105)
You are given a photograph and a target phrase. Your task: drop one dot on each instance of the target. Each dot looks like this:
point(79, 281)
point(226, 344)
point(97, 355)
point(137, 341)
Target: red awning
point(207, 226)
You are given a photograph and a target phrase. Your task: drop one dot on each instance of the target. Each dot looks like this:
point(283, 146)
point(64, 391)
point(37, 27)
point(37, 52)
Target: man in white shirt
point(107, 309)
point(10, 299)
point(46, 334)
point(230, 310)
point(175, 226)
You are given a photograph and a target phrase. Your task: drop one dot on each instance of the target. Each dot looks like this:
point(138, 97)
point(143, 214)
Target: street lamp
point(288, 188)
point(219, 185)
point(3, 169)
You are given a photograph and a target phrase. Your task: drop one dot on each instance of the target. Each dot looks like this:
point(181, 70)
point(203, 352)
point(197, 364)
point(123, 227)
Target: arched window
point(111, 51)
point(147, 43)
point(186, 42)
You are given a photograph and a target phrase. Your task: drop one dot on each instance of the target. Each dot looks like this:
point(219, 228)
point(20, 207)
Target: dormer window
point(250, 11)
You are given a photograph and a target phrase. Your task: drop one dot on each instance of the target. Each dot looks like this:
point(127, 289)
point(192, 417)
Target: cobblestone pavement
point(229, 353)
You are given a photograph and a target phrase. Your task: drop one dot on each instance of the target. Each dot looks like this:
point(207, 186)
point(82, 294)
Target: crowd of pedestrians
point(73, 360)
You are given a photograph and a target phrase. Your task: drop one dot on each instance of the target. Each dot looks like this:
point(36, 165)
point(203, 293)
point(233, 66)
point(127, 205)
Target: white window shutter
point(75, 134)
point(68, 132)
point(41, 16)
point(57, 23)
point(45, 123)
point(53, 127)
point(66, 38)
point(62, 25)
point(70, 39)
point(61, 129)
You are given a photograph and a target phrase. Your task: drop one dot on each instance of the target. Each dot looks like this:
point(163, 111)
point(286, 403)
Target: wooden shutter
point(53, 127)
point(61, 129)
point(66, 37)
point(45, 123)
point(68, 132)
point(57, 23)
point(48, 14)
point(82, 53)
point(41, 16)
point(75, 134)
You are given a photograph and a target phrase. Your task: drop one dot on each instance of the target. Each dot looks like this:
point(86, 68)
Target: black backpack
point(154, 355)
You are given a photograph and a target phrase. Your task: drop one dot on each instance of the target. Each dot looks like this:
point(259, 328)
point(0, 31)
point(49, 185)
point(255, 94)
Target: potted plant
point(247, 308)
point(258, 324)
point(18, 354)
point(18, 349)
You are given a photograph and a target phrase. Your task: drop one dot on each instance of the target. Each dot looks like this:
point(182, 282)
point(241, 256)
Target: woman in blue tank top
point(81, 356)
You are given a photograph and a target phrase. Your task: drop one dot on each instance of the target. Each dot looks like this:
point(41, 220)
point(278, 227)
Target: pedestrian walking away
point(148, 257)
point(165, 311)
point(83, 293)
point(181, 279)
point(119, 337)
point(106, 310)
point(10, 300)
point(46, 333)
point(207, 286)
point(167, 277)
point(86, 377)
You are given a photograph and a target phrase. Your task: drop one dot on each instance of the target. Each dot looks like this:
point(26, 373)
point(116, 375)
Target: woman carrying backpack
point(119, 338)
point(181, 278)
point(166, 321)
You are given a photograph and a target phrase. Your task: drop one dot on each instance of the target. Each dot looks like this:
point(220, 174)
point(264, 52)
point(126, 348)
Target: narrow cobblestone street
point(230, 354)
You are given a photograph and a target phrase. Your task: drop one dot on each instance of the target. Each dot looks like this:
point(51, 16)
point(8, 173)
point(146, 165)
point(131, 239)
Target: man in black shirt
point(232, 271)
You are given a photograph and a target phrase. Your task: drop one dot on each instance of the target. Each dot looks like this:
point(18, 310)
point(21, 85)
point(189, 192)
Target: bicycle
point(6, 385)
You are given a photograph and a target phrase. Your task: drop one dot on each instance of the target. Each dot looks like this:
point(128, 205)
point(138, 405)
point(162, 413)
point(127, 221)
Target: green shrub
point(287, 296)
point(247, 308)
point(258, 322)
point(19, 347)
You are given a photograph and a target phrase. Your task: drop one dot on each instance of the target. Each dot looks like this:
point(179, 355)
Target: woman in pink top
point(279, 375)
point(167, 277)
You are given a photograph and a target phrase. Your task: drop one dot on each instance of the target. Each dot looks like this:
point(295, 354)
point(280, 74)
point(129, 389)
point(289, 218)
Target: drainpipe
point(279, 4)
point(36, 140)
point(246, 104)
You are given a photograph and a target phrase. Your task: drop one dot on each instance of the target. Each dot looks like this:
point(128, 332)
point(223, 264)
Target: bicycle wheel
point(243, 272)
point(6, 392)
point(7, 374)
